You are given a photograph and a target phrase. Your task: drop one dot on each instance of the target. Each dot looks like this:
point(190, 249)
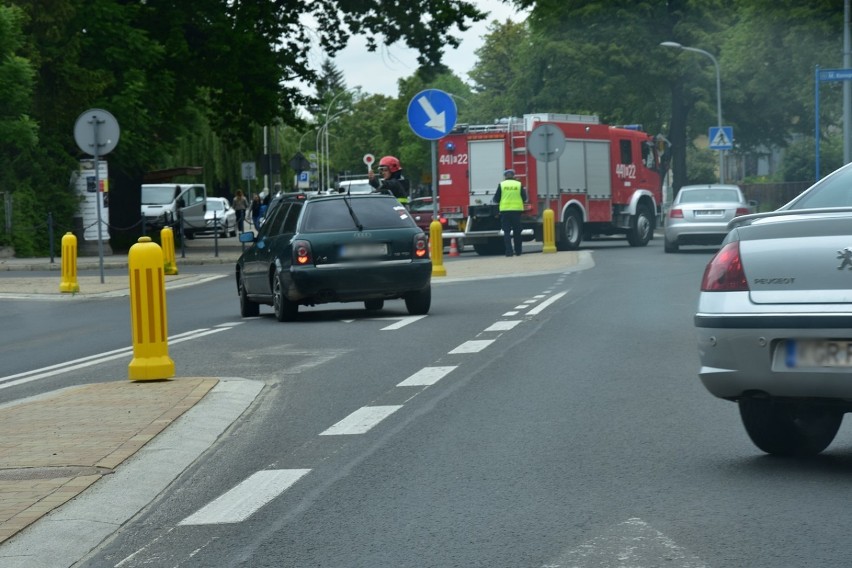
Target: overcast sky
point(378, 72)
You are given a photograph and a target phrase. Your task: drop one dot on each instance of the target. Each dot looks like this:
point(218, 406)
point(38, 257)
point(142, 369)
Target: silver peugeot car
point(699, 214)
point(774, 319)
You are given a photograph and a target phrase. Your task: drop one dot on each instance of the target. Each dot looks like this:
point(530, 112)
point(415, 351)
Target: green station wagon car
point(334, 248)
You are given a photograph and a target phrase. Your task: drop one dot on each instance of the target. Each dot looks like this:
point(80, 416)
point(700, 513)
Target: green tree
point(168, 70)
point(498, 76)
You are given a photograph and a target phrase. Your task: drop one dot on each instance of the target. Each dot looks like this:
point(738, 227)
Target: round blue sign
point(432, 114)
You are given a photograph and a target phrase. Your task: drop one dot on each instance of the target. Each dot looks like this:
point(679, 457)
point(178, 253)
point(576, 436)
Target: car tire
point(789, 428)
point(285, 310)
point(374, 305)
point(641, 227)
point(570, 231)
point(669, 246)
point(248, 309)
point(419, 302)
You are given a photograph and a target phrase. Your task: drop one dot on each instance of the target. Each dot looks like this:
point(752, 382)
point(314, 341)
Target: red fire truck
point(607, 180)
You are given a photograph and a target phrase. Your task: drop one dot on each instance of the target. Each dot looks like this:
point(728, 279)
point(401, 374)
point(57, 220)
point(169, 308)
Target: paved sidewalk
point(56, 446)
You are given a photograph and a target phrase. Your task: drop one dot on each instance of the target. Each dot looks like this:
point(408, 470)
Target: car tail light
point(676, 214)
point(421, 246)
point(741, 211)
point(302, 253)
point(724, 273)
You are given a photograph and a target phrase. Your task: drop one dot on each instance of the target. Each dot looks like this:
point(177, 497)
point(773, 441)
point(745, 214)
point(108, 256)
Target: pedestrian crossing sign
point(721, 137)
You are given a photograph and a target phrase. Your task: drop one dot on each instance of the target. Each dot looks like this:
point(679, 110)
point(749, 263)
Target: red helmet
point(392, 163)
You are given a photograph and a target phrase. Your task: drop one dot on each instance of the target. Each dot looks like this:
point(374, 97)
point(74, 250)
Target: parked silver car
point(220, 215)
point(699, 215)
point(774, 319)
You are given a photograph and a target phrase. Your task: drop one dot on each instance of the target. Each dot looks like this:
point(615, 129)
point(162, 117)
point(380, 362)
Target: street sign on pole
point(721, 137)
point(249, 170)
point(545, 143)
point(432, 114)
point(96, 132)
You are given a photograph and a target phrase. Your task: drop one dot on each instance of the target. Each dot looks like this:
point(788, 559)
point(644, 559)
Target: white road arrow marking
point(437, 121)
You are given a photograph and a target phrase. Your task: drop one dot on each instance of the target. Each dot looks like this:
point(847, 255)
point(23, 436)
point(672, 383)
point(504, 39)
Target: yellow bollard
point(549, 230)
point(436, 250)
point(167, 238)
point(149, 328)
point(68, 279)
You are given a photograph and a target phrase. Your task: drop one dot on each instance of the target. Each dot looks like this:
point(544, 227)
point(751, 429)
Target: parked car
point(220, 213)
point(334, 248)
point(774, 319)
point(423, 212)
point(699, 215)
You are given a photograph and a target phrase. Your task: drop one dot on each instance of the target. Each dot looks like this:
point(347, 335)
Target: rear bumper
point(351, 283)
point(696, 233)
point(745, 356)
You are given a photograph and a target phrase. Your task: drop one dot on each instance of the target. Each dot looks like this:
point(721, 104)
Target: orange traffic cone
point(454, 249)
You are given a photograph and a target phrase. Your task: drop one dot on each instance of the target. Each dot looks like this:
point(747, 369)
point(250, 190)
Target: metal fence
point(771, 196)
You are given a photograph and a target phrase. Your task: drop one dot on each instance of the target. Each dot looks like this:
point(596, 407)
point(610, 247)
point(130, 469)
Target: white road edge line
point(542, 306)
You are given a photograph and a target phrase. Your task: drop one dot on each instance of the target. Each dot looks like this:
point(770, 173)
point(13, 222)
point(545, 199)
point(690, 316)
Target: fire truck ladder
point(518, 147)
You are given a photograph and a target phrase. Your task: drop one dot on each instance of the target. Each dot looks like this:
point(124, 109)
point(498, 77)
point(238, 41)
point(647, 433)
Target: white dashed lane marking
point(426, 376)
point(242, 501)
point(472, 346)
point(361, 421)
point(503, 325)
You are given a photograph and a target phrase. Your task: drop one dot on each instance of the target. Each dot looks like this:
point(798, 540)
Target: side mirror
point(247, 237)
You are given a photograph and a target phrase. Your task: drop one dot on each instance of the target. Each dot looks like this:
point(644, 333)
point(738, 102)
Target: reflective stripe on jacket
point(510, 195)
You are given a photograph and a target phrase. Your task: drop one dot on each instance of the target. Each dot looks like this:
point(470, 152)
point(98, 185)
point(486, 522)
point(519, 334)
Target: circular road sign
point(432, 114)
point(546, 142)
point(96, 132)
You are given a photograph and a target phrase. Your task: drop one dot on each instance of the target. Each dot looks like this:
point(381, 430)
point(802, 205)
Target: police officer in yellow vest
point(511, 196)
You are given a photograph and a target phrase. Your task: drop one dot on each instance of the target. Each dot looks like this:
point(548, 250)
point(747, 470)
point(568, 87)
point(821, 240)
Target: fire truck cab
point(607, 180)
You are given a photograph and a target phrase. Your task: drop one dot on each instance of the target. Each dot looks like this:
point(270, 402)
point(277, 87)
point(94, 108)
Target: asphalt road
point(548, 420)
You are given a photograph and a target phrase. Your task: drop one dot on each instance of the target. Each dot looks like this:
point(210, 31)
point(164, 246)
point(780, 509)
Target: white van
point(354, 185)
point(164, 203)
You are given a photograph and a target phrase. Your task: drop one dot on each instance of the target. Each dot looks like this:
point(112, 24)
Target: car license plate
point(362, 250)
point(709, 212)
point(819, 353)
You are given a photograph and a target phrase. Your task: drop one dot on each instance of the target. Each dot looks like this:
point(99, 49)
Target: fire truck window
point(648, 155)
point(626, 153)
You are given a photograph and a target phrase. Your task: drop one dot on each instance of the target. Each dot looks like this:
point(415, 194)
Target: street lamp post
point(718, 95)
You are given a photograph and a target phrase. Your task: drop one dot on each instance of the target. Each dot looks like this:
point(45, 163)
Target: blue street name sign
point(721, 137)
point(432, 114)
point(835, 74)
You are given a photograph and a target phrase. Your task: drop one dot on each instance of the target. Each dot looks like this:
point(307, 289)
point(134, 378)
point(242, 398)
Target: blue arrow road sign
point(721, 137)
point(432, 114)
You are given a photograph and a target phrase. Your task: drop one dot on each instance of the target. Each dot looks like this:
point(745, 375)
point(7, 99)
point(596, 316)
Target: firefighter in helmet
point(390, 180)
point(511, 196)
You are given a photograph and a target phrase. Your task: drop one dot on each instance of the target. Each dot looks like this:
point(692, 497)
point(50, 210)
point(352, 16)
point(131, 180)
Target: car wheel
point(285, 310)
point(419, 302)
point(224, 233)
point(670, 246)
point(248, 309)
point(641, 228)
point(571, 231)
point(789, 428)
point(374, 305)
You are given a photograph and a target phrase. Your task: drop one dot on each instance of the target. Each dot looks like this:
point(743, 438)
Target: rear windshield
point(372, 213)
point(702, 195)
